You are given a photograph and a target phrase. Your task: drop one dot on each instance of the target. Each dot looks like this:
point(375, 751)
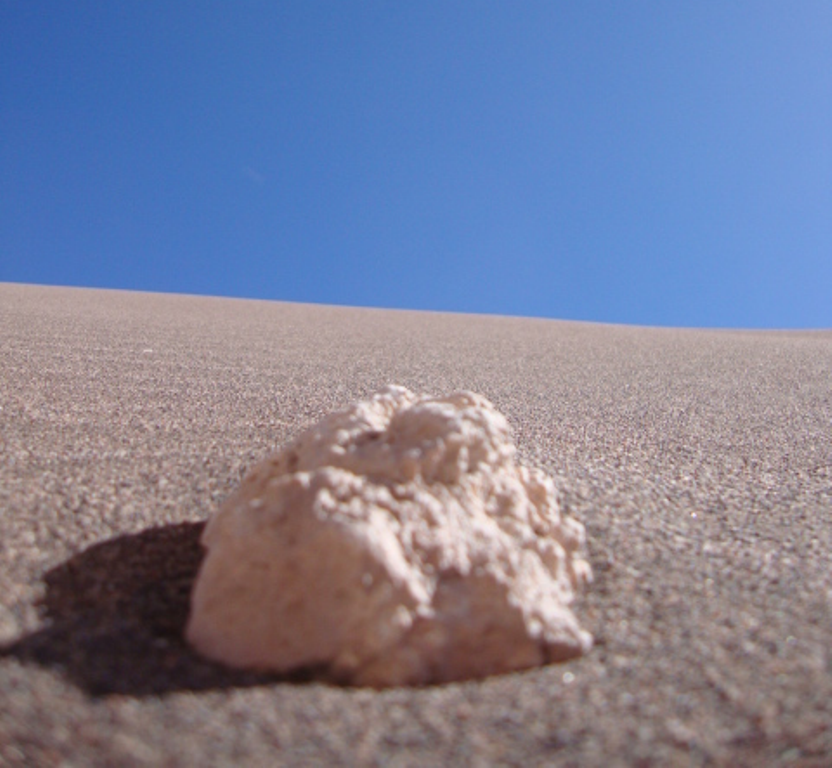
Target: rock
point(395, 542)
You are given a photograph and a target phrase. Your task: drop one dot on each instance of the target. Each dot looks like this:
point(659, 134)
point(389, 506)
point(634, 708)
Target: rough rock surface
point(395, 542)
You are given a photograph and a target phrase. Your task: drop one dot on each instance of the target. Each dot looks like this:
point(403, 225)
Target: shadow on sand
point(115, 617)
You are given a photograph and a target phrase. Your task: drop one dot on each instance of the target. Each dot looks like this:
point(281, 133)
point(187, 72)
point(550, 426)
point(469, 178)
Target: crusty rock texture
point(396, 542)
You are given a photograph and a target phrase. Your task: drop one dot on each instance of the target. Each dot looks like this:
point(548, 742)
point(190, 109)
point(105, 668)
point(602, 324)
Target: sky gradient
point(656, 163)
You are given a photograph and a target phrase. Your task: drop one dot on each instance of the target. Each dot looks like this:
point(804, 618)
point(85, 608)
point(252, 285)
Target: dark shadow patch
point(115, 619)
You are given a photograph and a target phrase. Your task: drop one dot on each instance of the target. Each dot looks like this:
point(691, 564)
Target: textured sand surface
point(699, 461)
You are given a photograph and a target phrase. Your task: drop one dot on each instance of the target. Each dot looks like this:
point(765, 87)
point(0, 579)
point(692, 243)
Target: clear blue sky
point(661, 163)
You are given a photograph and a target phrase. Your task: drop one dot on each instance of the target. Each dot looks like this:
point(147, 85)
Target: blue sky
point(660, 163)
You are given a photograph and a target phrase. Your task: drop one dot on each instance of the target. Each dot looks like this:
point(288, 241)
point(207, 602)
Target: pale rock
point(395, 542)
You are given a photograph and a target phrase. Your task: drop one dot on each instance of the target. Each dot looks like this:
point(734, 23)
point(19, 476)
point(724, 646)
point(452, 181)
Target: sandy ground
point(699, 461)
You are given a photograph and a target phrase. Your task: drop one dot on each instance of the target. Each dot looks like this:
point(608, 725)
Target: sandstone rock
point(395, 542)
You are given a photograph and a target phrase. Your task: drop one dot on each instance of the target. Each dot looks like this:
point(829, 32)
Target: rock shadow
point(115, 619)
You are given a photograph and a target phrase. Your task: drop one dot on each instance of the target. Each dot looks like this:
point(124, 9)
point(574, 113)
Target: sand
point(699, 461)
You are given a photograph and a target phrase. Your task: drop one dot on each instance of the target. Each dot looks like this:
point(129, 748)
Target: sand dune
point(699, 461)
